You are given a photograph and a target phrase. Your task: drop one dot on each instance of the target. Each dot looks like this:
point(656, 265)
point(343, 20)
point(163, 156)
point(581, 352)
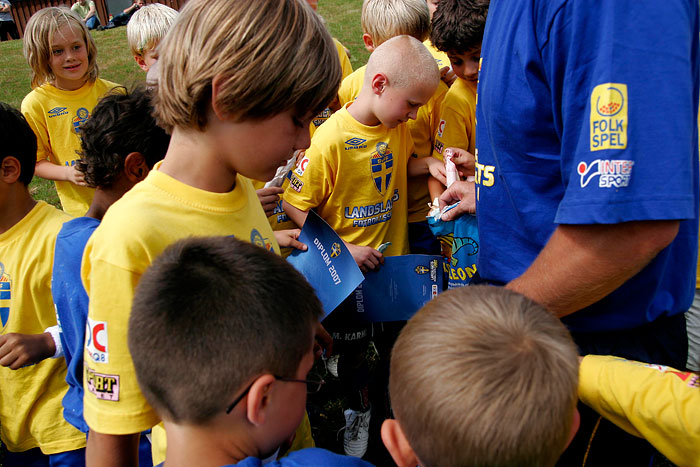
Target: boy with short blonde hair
point(381, 20)
point(256, 71)
point(355, 177)
point(228, 411)
point(145, 30)
point(482, 376)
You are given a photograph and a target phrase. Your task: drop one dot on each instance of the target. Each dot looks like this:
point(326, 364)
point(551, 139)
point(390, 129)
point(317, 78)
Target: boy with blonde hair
point(227, 411)
point(145, 30)
point(256, 72)
point(482, 376)
point(355, 177)
point(381, 20)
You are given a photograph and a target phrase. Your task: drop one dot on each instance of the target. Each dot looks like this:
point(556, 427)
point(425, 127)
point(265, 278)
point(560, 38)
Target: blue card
point(399, 288)
point(327, 264)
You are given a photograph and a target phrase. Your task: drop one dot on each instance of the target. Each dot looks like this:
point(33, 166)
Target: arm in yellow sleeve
point(658, 403)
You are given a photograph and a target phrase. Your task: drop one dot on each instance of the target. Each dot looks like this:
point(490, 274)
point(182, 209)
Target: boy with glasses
point(224, 364)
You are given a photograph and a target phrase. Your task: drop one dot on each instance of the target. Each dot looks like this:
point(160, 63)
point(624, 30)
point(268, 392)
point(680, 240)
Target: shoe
point(332, 365)
point(356, 436)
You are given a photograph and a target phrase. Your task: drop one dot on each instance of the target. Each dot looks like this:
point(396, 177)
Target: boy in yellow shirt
point(458, 28)
point(382, 20)
point(355, 178)
point(256, 72)
point(32, 426)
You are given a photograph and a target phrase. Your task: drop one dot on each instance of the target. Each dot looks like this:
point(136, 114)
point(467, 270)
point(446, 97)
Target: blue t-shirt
point(71, 309)
point(587, 114)
point(306, 457)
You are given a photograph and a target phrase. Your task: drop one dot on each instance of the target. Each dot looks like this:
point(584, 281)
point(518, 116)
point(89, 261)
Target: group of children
point(169, 307)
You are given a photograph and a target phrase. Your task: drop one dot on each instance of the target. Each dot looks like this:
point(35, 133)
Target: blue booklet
point(399, 288)
point(327, 264)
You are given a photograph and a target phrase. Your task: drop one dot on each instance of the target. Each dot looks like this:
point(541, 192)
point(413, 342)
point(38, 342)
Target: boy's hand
point(437, 169)
point(288, 239)
point(18, 350)
point(367, 258)
point(464, 160)
point(268, 198)
point(464, 192)
point(323, 342)
point(447, 75)
point(75, 176)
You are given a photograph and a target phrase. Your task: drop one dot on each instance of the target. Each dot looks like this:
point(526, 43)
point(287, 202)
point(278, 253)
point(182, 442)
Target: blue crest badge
point(382, 163)
point(5, 295)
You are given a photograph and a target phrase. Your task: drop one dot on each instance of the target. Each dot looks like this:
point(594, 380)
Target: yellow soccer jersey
point(354, 177)
point(440, 57)
point(136, 229)
point(422, 130)
point(55, 116)
point(351, 86)
point(31, 414)
point(457, 125)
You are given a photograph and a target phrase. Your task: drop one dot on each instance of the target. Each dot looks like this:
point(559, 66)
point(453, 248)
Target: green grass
point(116, 64)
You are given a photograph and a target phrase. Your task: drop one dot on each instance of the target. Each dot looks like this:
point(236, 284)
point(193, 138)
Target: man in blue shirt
point(587, 167)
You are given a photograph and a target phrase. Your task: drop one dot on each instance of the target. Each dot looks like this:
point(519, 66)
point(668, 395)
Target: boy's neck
point(102, 200)
point(17, 205)
point(362, 111)
point(196, 445)
point(193, 160)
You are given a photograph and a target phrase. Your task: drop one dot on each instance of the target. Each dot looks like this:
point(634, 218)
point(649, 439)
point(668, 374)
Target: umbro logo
point(57, 112)
point(355, 143)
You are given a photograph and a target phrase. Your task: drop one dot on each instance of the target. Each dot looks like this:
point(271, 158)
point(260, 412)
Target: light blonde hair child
point(41, 27)
point(482, 376)
point(384, 19)
point(65, 88)
point(146, 28)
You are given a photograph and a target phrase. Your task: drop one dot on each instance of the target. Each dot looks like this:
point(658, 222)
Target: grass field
point(117, 65)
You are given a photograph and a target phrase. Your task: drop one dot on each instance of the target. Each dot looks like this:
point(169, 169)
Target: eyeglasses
point(312, 387)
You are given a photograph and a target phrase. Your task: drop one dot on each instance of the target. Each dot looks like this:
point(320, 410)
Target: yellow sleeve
point(651, 401)
point(113, 403)
point(345, 64)
point(455, 128)
point(312, 181)
point(31, 109)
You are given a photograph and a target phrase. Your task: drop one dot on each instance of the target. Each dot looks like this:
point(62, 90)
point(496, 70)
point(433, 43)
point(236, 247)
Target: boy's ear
point(10, 169)
point(141, 62)
point(379, 83)
point(135, 167)
point(216, 84)
point(369, 43)
point(397, 444)
point(258, 401)
point(574, 427)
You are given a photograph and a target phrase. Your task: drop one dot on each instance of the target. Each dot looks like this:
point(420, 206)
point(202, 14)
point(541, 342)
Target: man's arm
point(112, 450)
point(577, 266)
point(295, 214)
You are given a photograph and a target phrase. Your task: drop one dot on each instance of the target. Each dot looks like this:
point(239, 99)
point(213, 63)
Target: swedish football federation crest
point(5, 295)
point(420, 269)
point(382, 163)
point(335, 250)
point(81, 117)
point(259, 240)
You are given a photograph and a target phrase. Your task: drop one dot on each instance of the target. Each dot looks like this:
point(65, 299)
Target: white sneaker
point(332, 365)
point(356, 435)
